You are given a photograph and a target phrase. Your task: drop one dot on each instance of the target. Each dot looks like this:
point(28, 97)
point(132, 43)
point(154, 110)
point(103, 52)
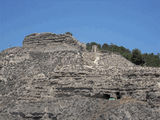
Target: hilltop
point(54, 77)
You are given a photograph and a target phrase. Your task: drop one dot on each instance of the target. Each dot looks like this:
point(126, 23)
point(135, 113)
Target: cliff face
point(53, 77)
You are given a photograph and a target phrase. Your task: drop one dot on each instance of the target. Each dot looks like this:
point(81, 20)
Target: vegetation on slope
point(135, 56)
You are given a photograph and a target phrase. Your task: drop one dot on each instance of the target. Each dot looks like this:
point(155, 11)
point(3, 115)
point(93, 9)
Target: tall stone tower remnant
point(94, 48)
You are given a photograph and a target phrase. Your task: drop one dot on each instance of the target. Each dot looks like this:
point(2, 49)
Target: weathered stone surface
point(52, 42)
point(53, 77)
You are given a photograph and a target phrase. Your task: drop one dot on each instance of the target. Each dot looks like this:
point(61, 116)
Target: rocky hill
point(53, 77)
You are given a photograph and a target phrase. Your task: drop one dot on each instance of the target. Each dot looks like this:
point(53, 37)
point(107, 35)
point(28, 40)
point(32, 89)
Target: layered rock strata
point(50, 41)
point(53, 77)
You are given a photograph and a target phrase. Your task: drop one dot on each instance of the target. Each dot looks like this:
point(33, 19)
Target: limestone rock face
point(53, 77)
point(49, 42)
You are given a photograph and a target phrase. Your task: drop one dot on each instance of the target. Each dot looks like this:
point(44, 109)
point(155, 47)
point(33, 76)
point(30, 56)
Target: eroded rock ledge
point(51, 41)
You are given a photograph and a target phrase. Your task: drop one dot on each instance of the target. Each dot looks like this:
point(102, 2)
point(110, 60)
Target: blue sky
point(131, 23)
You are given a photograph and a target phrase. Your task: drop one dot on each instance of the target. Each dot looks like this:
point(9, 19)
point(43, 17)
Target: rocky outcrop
point(43, 80)
point(51, 41)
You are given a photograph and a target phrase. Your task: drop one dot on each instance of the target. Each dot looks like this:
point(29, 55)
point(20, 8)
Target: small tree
point(137, 57)
point(158, 55)
point(105, 46)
